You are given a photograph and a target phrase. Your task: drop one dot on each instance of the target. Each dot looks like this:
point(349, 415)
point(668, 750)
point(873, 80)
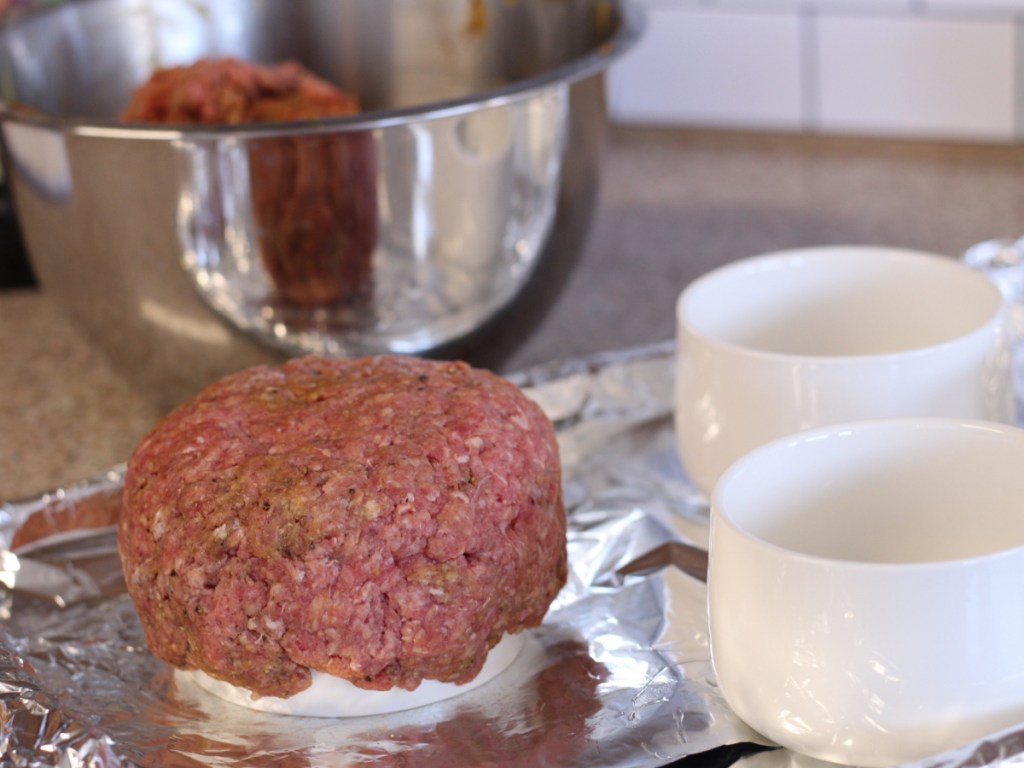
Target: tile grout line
point(810, 76)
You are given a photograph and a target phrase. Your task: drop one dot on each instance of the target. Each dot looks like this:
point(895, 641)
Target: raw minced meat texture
point(383, 519)
point(230, 91)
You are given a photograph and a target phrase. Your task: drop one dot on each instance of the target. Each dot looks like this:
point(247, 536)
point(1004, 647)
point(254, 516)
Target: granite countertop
point(674, 204)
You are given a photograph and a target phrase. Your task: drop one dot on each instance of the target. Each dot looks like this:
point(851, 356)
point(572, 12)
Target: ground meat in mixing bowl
point(313, 195)
point(381, 519)
point(230, 91)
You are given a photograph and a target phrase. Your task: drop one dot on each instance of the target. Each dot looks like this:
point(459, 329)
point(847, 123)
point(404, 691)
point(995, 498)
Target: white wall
point(948, 69)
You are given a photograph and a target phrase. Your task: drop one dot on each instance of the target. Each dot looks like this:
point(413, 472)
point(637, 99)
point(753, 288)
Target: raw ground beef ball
point(313, 196)
point(382, 519)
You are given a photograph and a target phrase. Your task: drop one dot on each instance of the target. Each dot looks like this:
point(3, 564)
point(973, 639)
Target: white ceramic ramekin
point(793, 340)
point(866, 587)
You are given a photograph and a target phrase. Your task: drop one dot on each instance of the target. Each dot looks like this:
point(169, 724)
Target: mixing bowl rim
point(631, 25)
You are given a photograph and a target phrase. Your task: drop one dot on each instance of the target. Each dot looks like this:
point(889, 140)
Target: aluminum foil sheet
point(619, 673)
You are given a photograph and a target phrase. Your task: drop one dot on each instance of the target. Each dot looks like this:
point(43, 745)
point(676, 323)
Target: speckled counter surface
point(674, 204)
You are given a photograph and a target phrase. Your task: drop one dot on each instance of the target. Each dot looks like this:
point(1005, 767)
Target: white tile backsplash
point(916, 76)
point(928, 68)
point(708, 68)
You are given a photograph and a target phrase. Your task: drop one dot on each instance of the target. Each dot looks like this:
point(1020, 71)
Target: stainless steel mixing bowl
point(482, 128)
